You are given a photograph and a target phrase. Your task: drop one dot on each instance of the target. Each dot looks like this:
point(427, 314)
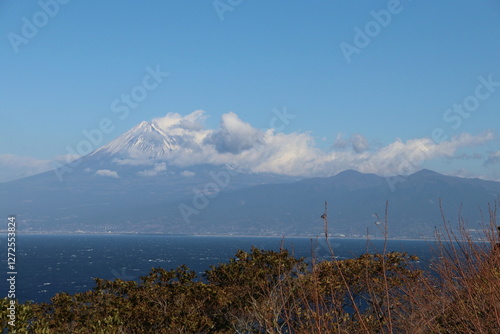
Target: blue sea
point(48, 264)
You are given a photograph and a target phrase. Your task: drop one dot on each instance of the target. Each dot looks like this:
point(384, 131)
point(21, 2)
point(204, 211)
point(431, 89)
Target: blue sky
point(410, 67)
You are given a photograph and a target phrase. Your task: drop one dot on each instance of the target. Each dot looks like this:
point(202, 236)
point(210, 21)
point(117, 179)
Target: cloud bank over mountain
point(267, 150)
point(186, 141)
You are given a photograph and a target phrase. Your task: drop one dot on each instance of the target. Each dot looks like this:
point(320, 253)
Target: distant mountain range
point(354, 200)
point(129, 186)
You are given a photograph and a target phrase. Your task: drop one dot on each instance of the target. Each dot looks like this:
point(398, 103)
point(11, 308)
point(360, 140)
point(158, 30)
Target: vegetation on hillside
point(264, 291)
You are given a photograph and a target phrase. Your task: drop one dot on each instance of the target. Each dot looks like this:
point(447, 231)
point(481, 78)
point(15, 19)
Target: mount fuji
point(146, 140)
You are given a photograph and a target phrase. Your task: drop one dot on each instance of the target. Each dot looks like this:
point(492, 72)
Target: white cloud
point(493, 159)
point(257, 150)
point(158, 169)
point(359, 143)
point(407, 157)
point(188, 130)
point(174, 121)
point(234, 135)
point(187, 173)
point(133, 162)
point(107, 173)
point(339, 142)
point(148, 172)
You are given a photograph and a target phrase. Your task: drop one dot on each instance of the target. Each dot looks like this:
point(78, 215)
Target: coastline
point(216, 236)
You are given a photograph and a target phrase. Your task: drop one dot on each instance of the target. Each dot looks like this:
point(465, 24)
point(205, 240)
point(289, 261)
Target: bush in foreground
point(256, 292)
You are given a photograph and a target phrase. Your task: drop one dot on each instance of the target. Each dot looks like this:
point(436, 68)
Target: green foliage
point(256, 292)
point(272, 292)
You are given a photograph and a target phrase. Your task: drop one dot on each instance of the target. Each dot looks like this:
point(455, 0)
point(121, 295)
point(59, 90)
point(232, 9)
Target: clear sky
point(380, 86)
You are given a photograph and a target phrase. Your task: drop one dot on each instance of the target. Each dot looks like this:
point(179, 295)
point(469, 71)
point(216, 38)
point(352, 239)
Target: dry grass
point(461, 293)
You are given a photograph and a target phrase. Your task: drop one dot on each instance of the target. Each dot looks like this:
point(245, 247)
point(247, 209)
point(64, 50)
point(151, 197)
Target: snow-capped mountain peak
point(145, 140)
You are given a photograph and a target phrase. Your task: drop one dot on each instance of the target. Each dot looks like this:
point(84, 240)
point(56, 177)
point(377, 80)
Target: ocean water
point(48, 264)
